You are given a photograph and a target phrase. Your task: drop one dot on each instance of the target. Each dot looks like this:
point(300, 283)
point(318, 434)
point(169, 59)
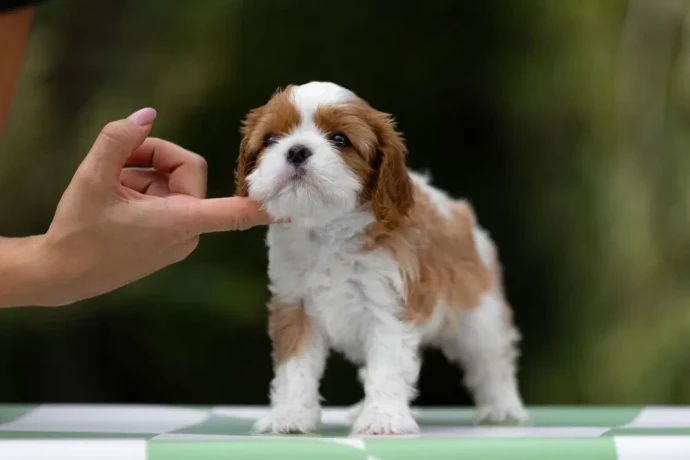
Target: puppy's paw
point(375, 419)
point(354, 411)
point(289, 420)
point(501, 413)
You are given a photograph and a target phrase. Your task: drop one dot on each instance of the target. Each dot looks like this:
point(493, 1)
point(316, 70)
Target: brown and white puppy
point(374, 262)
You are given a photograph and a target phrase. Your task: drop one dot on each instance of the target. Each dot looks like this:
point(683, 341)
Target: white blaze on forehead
point(311, 96)
point(331, 188)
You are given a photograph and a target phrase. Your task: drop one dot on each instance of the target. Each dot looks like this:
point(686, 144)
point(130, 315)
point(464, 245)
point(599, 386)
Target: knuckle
point(183, 234)
point(243, 223)
point(193, 244)
point(200, 162)
point(115, 132)
point(87, 177)
point(186, 249)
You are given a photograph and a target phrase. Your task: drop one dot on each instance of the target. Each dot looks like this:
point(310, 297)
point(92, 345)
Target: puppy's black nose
point(298, 154)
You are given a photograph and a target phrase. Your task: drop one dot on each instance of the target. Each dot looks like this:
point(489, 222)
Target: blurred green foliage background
point(567, 123)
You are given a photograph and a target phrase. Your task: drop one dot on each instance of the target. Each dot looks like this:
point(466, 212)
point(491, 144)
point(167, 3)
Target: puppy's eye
point(340, 140)
point(270, 140)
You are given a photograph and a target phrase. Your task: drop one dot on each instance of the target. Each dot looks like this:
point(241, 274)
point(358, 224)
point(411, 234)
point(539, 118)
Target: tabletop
point(148, 432)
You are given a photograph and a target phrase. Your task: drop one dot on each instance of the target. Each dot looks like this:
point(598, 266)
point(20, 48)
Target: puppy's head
point(316, 152)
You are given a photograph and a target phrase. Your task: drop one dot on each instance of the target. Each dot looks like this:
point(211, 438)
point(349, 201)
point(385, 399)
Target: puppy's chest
point(342, 286)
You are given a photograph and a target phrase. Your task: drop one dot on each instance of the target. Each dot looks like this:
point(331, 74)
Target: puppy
point(375, 263)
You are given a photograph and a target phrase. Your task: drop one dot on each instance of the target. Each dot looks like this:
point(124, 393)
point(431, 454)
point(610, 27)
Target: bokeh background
point(567, 123)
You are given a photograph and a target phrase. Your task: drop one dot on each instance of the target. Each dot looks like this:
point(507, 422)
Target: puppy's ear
point(391, 197)
point(249, 152)
point(252, 144)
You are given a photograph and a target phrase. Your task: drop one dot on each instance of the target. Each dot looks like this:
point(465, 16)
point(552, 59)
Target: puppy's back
point(447, 260)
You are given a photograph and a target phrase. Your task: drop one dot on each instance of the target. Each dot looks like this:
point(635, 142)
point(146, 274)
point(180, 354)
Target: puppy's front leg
point(299, 355)
point(390, 380)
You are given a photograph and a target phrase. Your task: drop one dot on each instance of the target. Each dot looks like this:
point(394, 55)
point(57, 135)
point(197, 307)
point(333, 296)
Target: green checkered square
point(136, 432)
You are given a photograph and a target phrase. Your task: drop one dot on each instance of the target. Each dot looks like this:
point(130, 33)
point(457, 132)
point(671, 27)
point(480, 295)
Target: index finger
point(187, 170)
point(223, 214)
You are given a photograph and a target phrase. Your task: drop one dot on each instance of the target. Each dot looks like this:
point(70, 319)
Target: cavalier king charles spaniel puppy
point(369, 259)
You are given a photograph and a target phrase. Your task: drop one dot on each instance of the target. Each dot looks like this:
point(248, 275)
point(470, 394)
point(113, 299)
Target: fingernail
point(143, 117)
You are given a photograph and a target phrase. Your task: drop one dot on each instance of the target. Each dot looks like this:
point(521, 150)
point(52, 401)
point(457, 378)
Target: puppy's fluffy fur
point(375, 263)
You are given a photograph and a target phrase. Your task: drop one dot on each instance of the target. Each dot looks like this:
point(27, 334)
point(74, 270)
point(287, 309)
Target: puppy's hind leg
point(485, 344)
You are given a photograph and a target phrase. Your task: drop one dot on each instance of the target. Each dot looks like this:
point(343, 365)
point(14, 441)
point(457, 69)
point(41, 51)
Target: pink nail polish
point(143, 117)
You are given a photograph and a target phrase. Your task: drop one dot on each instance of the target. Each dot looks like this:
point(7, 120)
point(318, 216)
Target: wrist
point(25, 276)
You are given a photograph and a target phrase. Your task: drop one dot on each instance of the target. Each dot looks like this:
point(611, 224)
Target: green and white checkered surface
point(122, 432)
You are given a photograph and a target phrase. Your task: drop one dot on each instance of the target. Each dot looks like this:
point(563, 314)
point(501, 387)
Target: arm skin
point(14, 35)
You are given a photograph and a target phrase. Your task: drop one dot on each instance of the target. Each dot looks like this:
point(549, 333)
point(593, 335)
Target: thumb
point(223, 214)
point(116, 142)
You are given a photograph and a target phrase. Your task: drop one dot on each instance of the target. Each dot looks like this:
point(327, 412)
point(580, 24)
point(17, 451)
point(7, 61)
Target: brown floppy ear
point(251, 144)
point(248, 152)
point(391, 197)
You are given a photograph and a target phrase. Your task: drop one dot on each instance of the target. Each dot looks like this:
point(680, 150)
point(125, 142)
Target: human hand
point(115, 225)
